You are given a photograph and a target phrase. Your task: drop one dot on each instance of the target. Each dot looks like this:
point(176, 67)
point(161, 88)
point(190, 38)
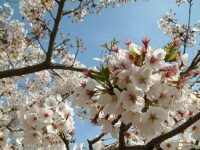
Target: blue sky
point(132, 21)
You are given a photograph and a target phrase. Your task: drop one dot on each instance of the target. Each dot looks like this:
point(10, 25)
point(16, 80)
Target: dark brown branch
point(174, 132)
point(150, 145)
point(7, 126)
point(91, 142)
point(10, 122)
point(194, 63)
point(122, 133)
point(66, 142)
point(9, 111)
point(54, 31)
point(22, 71)
point(37, 68)
point(116, 120)
point(196, 81)
point(57, 2)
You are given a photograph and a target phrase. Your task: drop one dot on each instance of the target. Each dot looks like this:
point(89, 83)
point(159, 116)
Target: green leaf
point(97, 77)
point(105, 72)
point(103, 76)
point(171, 57)
point(105, 46)
point(114, 42)
point(132, 52)
point(171, 51)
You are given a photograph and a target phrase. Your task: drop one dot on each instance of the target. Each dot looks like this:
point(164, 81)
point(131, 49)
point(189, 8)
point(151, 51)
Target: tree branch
point(174, 132)
point(54, 31)
point(150, 145)
point(188, 26)
point(7, 126)
point(194, 63)
point(122, 132)
point(91, 142)
point(66, 142)
point(22, 71)
point(37, 68)
point(70, 11)
point(196, 81)
point(116, 120)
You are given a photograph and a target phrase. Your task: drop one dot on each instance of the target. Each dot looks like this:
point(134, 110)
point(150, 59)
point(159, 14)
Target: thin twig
point(41, 46)
point(194, 63)
point(71, 11)
point(55, 73)
point(93, 141)
point(188, 27)
point(194, 82)
point(77, 50)
point(50, 13)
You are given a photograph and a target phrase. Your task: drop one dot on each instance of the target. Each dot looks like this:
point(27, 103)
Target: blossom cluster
point(13, 95)
point(78, 16)
point(12, 35)
point(45, 121)
point(141, 85)
point(170, 27)
point(33, 11)
point(16, 49)
point(90, 7)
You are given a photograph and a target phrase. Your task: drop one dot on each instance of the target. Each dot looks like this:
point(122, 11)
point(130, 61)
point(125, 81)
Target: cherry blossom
point(155, 60)
point(132, 99)
point(138, 93)
point(151, 123)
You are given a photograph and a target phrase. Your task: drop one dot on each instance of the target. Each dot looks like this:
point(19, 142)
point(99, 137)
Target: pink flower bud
point(145, 41)
point(128, 42)
point(176, 41)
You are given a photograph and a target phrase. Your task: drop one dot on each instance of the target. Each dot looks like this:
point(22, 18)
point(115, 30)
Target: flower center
point(142, 80)
point(153, 60)
point(46, 115)
point(132, 98)
point(34, 118)
point(152, 117)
